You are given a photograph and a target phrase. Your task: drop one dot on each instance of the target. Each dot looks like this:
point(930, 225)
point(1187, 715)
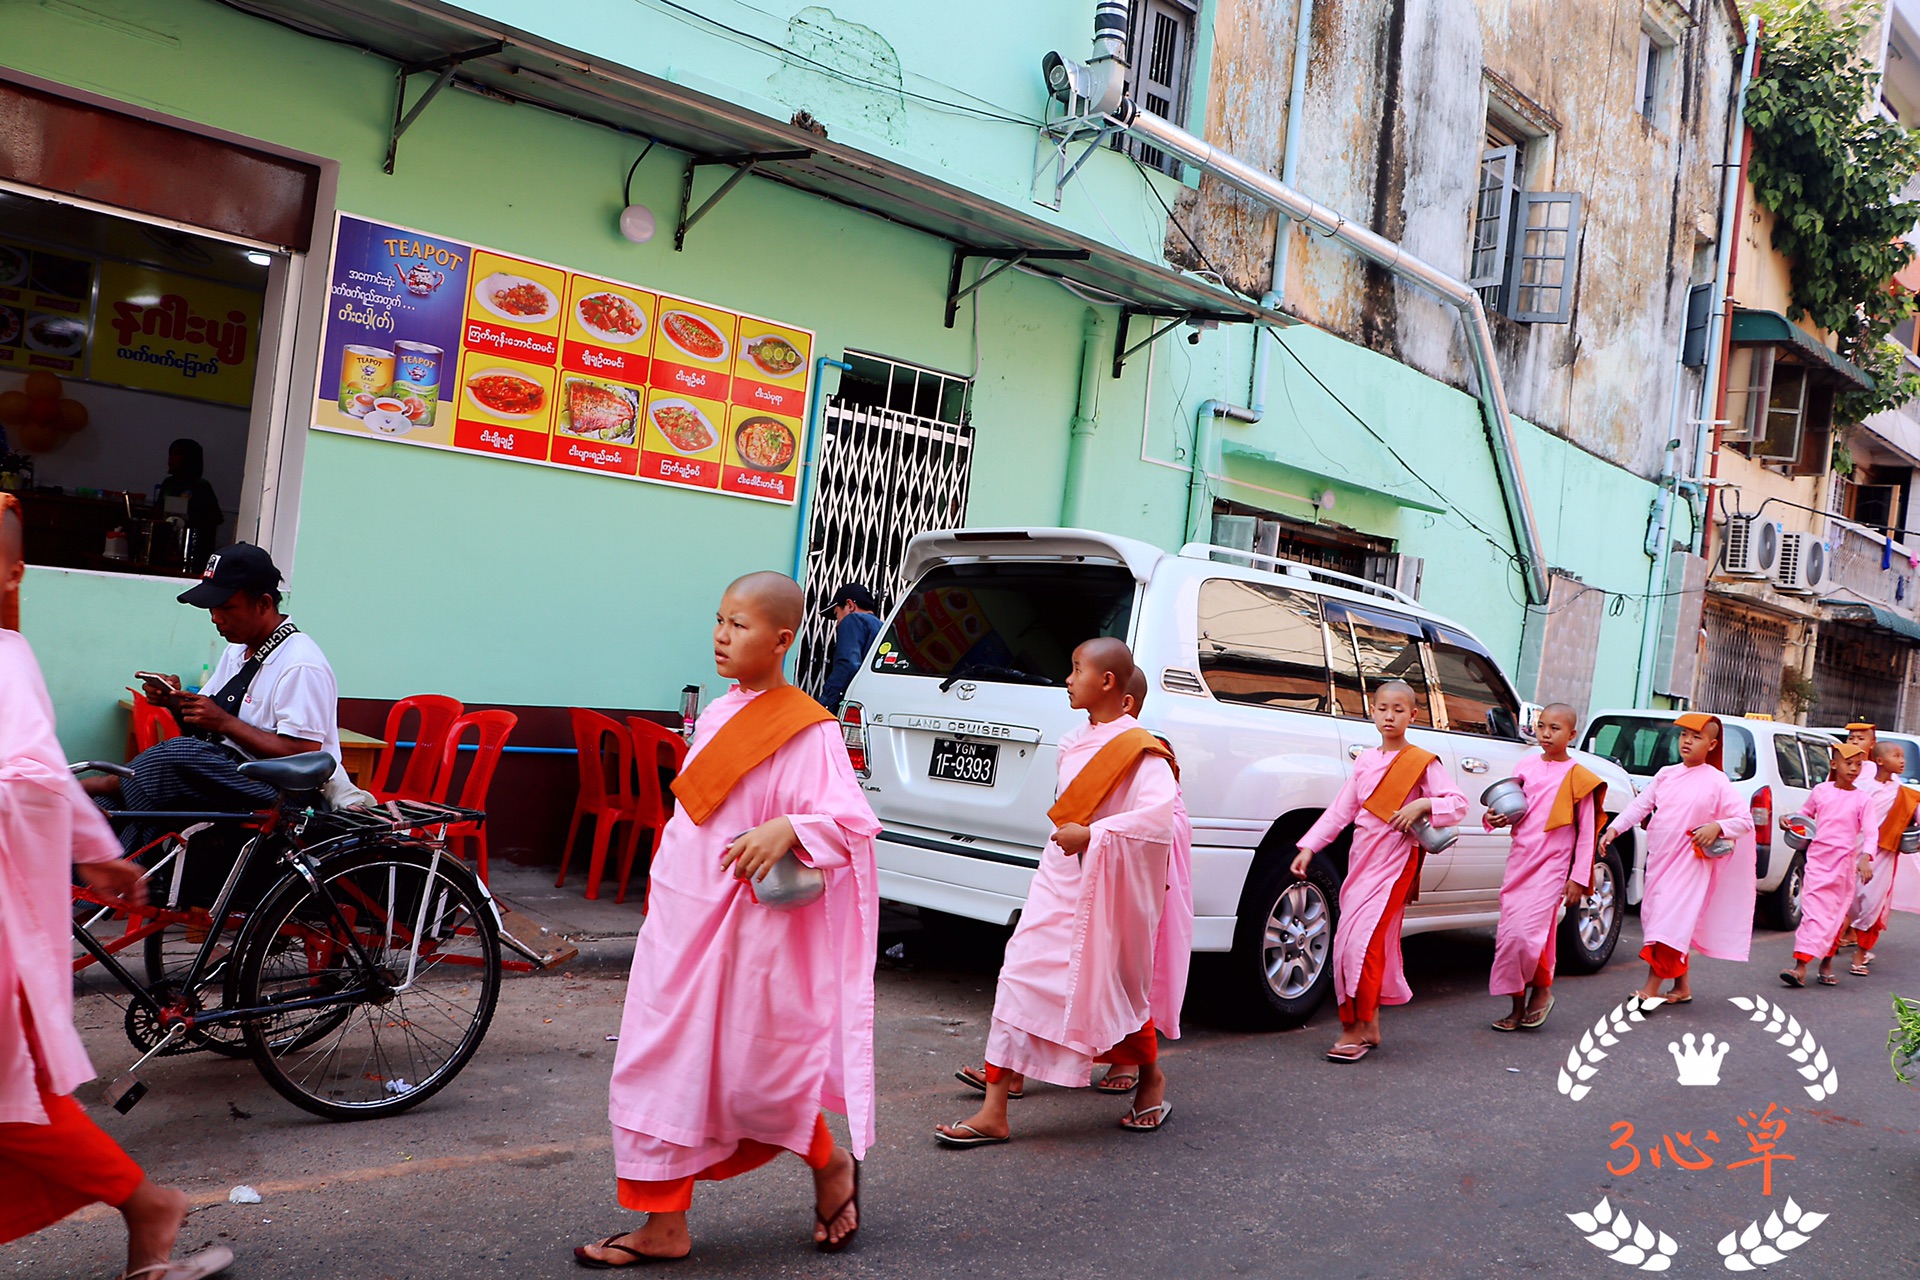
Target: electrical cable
point(627, 190)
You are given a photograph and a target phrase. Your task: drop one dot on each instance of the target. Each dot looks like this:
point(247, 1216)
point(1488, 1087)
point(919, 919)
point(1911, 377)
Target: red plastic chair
point(655, 747)
point(152, 723)
point(490, 732)
point(606, 769)
point(436, 713)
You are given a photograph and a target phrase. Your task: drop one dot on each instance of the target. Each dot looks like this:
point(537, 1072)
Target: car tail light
point(853, 730)
point(1763, 817)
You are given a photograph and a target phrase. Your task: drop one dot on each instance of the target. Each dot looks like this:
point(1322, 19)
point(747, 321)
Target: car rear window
point(1004, 622)
point(1644, 745)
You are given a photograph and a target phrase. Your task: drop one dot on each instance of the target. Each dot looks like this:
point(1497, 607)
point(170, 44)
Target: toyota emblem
point(966, 690)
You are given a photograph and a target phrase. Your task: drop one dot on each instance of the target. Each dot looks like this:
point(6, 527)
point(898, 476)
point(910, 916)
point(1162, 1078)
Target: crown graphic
point(1699, 1064)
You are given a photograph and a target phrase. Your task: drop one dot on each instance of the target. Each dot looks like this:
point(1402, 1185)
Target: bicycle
point(361, 982)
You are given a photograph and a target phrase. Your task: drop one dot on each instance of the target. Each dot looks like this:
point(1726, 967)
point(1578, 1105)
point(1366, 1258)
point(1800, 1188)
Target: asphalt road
point(1451, 1152)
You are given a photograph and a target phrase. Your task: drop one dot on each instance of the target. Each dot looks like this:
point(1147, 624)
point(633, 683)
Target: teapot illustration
point(422, 279)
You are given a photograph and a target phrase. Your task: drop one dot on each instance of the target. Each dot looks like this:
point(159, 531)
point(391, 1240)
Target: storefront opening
point(128, 352)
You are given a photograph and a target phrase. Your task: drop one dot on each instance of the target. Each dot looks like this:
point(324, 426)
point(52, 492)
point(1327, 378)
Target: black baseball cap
point(240, 567)
point(854, 594)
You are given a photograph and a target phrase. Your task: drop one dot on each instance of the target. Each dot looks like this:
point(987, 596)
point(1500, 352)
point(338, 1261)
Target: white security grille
point(1745, 659)
point(883, 478)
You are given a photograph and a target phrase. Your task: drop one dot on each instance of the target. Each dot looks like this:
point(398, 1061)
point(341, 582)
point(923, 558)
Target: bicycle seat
point(307, 771)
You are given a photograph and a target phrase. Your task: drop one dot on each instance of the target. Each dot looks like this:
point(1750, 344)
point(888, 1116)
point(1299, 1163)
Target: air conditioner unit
point(1753, 546)
point(1803, 564)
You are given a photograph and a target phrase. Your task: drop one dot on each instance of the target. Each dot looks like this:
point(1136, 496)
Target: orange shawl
point(745, 742)
point(1898, 817)
point(1580, 783)
point(1091, 786)
point(1402, 776)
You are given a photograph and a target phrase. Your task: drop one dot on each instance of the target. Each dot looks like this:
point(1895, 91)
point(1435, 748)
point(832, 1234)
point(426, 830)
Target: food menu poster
point(46, 302)
point(436, 342)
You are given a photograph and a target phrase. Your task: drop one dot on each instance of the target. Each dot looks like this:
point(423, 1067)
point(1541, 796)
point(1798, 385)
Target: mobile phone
point(154, 678)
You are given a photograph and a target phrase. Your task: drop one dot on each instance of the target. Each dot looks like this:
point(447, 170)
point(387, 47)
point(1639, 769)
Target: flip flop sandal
point(1859, 971)
point(826, 1224)
point(1828, 980)
point(1131, 1121)
point(591, 1263)
point(978, 1139)
point(978, 1083)
point(1107, 1083)
point(198, 1266)
point(1533, 1022)
point(1508, 1023)
point(1349, 1053)
point(1678, 999)
point(1792, 979)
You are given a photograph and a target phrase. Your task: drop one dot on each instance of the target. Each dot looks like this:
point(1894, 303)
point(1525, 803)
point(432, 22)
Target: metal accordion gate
point(882, 478)
point(1745, 659)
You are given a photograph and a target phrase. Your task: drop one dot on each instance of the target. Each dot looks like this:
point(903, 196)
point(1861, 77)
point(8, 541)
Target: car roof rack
point(1296, 569)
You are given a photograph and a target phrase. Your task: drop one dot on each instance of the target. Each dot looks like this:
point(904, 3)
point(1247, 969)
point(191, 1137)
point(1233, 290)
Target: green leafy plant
point(1798, 693)
point(1842, 458)
point(1831, 169)
point(1905, 1039)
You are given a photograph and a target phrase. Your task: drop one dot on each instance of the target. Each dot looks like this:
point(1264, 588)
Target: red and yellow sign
point(174, 334)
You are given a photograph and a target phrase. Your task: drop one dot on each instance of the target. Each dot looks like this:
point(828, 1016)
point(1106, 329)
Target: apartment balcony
point(1870, 582)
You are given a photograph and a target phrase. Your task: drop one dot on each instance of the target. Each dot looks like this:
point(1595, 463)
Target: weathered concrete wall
point(1394, 121)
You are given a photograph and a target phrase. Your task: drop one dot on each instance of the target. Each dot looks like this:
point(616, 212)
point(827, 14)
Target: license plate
point(969, 762)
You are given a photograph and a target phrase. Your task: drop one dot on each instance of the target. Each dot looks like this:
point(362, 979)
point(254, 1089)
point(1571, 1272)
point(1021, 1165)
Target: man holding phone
point(271, 694)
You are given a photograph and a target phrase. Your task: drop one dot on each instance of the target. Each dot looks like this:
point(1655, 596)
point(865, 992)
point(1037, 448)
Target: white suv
point(1259, 677)
point(1773, 763)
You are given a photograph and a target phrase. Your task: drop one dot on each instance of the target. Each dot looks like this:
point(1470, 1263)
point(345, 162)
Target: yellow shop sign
point(174, 334)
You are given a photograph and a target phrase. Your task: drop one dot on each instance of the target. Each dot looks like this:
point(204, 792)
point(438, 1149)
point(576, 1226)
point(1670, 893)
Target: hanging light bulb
point(636, 220)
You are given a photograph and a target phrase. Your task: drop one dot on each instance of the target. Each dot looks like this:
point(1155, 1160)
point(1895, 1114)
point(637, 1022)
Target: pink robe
point(1826, 897)
point(743, 1021)
point(46, 825)
point(1173, 944)
point(1080, 970)
point(1540, 863)
point(1374, 865)
point(1695, 903)
point(1876, 898)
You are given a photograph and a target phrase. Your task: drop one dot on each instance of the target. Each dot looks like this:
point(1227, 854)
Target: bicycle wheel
point(402, 948)
point(170, 952)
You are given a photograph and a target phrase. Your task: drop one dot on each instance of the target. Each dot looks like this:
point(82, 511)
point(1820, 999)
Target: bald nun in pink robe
point(1841, 818)
point(1541, 862)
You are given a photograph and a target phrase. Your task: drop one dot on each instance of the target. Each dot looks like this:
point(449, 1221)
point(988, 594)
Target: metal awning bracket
point(742, 165)
point(403, 117)
point(1122, 352)
point(1002, 258)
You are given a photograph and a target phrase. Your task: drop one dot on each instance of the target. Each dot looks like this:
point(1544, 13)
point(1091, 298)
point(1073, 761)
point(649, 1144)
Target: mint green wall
point(423, 571)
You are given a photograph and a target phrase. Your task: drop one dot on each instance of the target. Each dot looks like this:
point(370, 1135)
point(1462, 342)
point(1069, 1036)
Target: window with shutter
point(1161, 58)
point(1546, 248)
point(1491, 208)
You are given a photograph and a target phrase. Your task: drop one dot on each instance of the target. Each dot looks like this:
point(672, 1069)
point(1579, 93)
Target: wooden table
point(358, 752)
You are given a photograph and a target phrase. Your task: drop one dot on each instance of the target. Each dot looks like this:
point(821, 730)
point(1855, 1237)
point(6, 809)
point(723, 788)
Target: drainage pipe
point(1377, 249)
point(1086, 419)
point(807, 468)
point(1290, 157)
point(1199, 497)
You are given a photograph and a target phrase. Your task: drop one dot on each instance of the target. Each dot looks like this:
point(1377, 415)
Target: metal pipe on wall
point(1290, 155)
point(807, 468)
point(1086, 417)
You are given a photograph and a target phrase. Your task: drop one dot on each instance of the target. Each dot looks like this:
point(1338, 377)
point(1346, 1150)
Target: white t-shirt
point(293, 694)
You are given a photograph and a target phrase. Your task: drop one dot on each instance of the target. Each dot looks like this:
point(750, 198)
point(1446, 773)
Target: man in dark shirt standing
point(856, 624)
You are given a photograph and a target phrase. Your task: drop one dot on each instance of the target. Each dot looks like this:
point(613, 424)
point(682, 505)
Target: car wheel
point(1590, 931)
point(1780, 909)
point(1282, 960)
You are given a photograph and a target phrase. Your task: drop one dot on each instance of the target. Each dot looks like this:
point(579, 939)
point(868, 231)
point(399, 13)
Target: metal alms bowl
point(1719, 848)
point(789, 883)
point(1434, 839)
point(1506, 798)
point(1798, 829)
point(1910, 840)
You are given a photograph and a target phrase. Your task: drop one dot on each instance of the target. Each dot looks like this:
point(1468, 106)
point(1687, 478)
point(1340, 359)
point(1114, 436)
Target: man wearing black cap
point(855, 626)
point(272, 693)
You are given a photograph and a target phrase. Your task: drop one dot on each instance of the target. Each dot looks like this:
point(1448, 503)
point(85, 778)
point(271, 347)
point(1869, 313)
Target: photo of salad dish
point(610, 317)
point(600, 411)
point(686, 428)
point(56, 335)
point(764, 444)
point(517, 298)
point(694, 336)
point(506, 394)
point(775, 356)
point(13, 264)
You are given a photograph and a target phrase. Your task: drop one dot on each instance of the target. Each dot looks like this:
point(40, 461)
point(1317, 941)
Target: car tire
point(1780, 907)
point(1281, 966)
point(1590, 931)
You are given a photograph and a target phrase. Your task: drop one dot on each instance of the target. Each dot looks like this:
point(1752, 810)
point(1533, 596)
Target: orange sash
point(1898, 817)
point(1091, 786)
point(744, 743)
point(1402, 776)
point(1580, 783)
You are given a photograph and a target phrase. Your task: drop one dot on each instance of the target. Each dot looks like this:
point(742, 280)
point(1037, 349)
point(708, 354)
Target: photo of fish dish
point(600, 411)
point(694, 336)
point(611, 317)
point(506, 394)
point(775, 356)
point(764, 444)
point(686, 429)
point(517, 299)
point(56, 335)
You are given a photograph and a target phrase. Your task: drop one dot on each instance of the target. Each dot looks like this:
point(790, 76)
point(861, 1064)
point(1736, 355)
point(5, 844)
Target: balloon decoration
point(38, 417)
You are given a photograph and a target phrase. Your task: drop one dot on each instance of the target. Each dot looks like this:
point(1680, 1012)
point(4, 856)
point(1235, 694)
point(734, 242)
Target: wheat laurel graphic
point(1761, 1245)
point(1583, 1060)
point(1823, 1081)
point(1635, 1244)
